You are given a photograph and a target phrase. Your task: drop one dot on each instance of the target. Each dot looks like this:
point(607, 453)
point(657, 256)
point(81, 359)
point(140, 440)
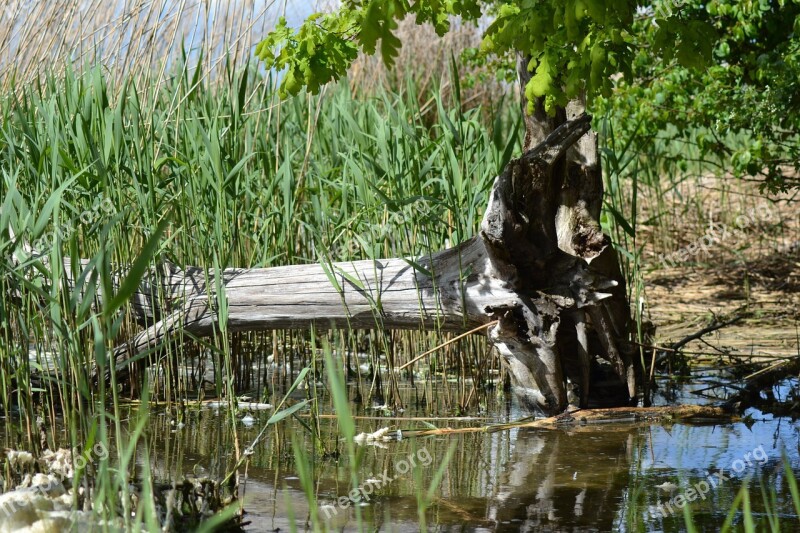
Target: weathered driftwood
point(757, 388)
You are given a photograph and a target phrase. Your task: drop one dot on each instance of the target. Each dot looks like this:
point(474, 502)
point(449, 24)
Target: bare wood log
point(390, 294)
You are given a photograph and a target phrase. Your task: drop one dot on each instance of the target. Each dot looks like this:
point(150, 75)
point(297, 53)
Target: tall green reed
point(99, 174)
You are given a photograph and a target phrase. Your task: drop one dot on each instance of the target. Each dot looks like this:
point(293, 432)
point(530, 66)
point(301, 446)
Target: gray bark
point(586, 337)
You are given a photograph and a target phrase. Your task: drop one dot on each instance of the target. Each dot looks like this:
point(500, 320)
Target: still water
point(622, 477)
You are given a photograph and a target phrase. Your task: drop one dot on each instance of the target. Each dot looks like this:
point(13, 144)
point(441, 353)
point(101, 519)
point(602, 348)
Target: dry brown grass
point(754, 271)
point(138, 38)
point(739, 222)
point(427, 59)
point(141, 38)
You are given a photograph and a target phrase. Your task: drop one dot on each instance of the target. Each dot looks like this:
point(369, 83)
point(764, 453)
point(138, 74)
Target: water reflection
point(565, 480)
point(591, 478)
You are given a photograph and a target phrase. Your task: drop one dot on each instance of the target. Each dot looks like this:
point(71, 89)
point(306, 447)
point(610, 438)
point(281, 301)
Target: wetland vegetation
point(161, 145)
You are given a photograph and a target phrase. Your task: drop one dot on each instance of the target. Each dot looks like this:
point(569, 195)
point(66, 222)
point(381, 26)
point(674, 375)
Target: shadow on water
point(590, 478)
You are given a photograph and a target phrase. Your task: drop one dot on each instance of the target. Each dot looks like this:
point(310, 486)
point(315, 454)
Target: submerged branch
point(588, 417)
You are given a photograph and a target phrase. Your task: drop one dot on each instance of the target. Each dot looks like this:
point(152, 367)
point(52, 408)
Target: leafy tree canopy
point(725, 65)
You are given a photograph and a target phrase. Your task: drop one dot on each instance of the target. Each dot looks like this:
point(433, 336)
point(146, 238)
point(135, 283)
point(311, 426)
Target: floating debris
point(249, 406)
point(19, 459)
point(378, 438)
point(667, 486)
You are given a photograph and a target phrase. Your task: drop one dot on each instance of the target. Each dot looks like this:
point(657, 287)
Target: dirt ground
point(728, 253)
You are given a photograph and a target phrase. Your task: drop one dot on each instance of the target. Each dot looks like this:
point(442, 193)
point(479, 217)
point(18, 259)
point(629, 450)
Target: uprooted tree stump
point(540, 266)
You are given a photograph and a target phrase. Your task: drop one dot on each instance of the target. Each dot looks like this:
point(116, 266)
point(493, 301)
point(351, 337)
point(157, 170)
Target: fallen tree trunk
point(388, 293)
point(555, 313)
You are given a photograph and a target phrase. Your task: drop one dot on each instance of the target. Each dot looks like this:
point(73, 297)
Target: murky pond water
point(625, 477)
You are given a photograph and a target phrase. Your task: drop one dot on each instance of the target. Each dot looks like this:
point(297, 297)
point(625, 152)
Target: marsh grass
point(242, 189)
point(139, 40)
point(216, 175)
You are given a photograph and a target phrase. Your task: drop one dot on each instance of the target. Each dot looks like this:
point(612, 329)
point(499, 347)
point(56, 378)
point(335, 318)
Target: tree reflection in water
point(559, 480)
